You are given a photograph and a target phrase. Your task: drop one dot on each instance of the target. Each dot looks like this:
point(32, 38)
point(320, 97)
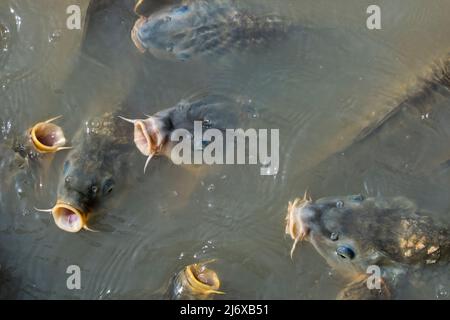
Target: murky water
point(321, 87)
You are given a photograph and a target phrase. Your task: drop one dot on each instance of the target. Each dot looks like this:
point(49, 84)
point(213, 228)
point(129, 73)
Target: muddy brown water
point(319, 90)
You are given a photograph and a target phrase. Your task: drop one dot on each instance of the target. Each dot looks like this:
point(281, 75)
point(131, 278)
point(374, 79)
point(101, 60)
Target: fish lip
point(296, 227)
point(134, 34)
point(192, 274)
point(39, 134)
point(141, 132)
point(61, 212)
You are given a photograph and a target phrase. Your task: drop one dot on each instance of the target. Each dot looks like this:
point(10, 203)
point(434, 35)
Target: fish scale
point(199, 28)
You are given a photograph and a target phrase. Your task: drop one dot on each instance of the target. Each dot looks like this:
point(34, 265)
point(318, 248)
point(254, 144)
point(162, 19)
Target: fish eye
point(108, 186)
point(358, 197)
point(345, 252)
point(339, 204)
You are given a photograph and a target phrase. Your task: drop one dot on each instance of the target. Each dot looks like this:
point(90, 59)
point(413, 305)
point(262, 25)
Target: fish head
point(341, 229)
point(167, 32)
point(86, 181)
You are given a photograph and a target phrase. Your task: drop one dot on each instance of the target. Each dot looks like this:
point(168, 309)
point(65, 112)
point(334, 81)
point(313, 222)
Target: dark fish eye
point(339, 204)
point(334, 236)
point(108, 186)
point(345, 252)
point(358, 197)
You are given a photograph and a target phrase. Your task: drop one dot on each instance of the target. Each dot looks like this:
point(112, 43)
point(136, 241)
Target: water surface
point(320, 89)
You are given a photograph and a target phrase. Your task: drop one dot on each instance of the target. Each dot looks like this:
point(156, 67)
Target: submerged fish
point(94, 166)
point(36, 45)
point(406, 151)
point(152, 135)
point(354, 233)
point(193, 28)
point(103, 147)
point(37, 55)
point(195, 282)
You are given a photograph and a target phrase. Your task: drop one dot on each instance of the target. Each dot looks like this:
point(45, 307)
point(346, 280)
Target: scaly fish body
point(197, 28)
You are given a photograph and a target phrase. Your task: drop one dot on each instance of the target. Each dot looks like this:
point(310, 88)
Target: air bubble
point(54, 36)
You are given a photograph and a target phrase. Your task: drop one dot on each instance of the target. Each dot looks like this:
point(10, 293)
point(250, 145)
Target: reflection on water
point(321, 87)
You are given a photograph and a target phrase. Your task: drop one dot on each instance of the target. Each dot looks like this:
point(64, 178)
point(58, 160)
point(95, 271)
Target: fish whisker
point(85, 227)
point(127, 120)
point(147, 162)
point(53, 119)
point(44, 210)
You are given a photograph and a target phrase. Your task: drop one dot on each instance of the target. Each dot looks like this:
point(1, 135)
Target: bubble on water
point(211, 187)
point(442, 292)
point(6, 128)
point(269, 171)
point(55, 36)
point(19, 191)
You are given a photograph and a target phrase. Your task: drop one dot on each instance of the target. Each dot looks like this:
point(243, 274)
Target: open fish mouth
point(47, 137)
point(295, 227)
point(68, 218)
point(142, 138)
point(201, 280)
point(147, 137)
point(135, 36)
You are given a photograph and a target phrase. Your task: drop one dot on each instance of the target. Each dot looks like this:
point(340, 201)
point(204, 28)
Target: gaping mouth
point(134, 34)
point(68, 218)
point(201, 280)
point(147, 137)
point(142, 138)
point(294, 224)
point(47, 137)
